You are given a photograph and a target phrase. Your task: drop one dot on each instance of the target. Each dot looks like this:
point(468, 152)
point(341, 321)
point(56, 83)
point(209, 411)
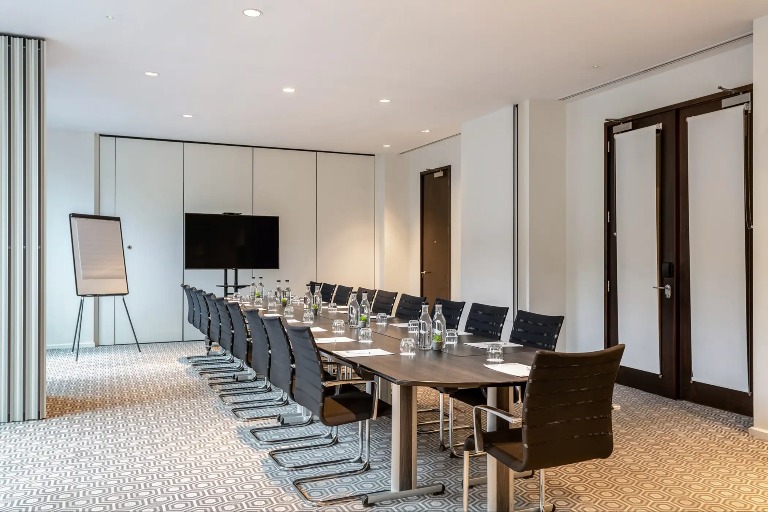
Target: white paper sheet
point(484, 344)
point(318, 329)
point(292, 321)
point(401, 325)
point(338, 339)
point(464, 333)
point(362, 353)
point(515, 369)
point(271, 315)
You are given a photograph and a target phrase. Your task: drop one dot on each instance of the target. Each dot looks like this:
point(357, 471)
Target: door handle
point(667, 290)
point(424, 272)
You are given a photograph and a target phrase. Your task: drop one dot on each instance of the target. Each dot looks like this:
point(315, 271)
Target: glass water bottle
point(260, 288)
point(287, 293)
point(252, 291)
point(317, 301)
point(279, 291)
point(308, 299)
point(354, 311)
point(438, 328)
point(365, 312)
point(425, 329)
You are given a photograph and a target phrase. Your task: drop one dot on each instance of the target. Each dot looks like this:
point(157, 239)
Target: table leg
point(501, 495)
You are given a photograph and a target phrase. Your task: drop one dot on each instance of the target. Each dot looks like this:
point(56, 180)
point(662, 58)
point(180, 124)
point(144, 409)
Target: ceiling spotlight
point(595, 66)
point(150, 73)
point(387, 146)
point(384, 100)
point(186, 115)
point(424, 131)
point(110, 18)
point(289, 89)
point(252, 13)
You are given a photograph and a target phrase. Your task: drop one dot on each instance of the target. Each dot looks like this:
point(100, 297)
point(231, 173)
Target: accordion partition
point(22, 336)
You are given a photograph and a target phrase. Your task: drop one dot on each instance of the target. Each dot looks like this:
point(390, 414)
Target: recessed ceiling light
point(252, 13)
point(387, 146)
point(289, 89)
point(424, 131)
point(150, 73)
point(110, 18)
point(384, 100)
point(595, 66)
point(186, 115)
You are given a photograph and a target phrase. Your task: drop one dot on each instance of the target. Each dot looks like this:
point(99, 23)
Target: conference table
point(460, 366)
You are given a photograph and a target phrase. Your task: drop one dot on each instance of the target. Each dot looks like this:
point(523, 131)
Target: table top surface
point(456, 366)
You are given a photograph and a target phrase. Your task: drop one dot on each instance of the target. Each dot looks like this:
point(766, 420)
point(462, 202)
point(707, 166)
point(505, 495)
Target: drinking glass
point(332, 307)
point(236, 297)
point(381, 318)
point(493, 353)
point(407, 347)
point(413, 329)
point(308, 316)
point(271, 304)
point(366, 335)
point(338, 326)
point(288, 311)
point(451, 337)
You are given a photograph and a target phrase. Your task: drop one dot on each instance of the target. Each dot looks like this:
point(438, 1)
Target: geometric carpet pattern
point(141, 431)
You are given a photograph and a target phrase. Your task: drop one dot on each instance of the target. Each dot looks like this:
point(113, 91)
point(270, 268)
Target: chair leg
point(465, 481)
point(543, 506)
point(282, 401)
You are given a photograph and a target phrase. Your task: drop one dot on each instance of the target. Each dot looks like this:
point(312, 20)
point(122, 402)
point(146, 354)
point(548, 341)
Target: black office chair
point(566, 416)
point(341, 297)
point(384, 303)
point(241, 350)
point(536, 331)
point(326, 292)
point(226, 340)
point(486, 321)
point(190, 307)
point(371, 294)
point(409, 307)
point(311, 390)
point(452, 311)
point(212, 332)
point(313, 285)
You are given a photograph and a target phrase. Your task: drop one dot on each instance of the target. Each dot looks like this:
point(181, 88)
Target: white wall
point(70, 187)
point(760, 230)
point(585, 173)
point(487, 198)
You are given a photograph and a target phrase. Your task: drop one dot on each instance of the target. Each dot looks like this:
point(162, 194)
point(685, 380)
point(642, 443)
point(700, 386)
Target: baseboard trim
point(758, 433)
point(61, 346)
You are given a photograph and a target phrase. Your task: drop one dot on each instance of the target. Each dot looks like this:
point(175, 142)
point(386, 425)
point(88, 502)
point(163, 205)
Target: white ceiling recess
point(440, 62)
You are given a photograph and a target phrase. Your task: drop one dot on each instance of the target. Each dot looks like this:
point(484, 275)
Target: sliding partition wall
point(679, 250)
point(325, 202)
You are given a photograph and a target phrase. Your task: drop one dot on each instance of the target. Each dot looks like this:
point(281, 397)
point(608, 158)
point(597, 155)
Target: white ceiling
point(441, 62)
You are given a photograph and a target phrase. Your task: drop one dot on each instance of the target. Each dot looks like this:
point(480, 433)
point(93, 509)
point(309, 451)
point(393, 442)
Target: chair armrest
point(375, 393)
point(477, 427)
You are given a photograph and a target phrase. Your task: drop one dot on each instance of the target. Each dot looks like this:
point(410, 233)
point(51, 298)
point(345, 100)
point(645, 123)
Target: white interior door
point(717, 249)
point(149, 200)
point(637, 248)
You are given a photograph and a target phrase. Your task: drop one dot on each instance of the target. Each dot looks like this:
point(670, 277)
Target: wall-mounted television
point(231, 241)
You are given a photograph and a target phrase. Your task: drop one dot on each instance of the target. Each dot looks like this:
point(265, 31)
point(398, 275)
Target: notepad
point(484, 344)
point(362, 353)
point(338, 339)
point(271, 315)
point(401, 325)
point(292, 321)
point(318, 329)
point(464, 333)
point(514, 369)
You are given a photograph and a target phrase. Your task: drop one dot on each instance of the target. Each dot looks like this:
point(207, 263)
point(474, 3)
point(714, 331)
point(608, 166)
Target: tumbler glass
point(381, 319)
point(338, 327)
point(451, 337)
point(366, 335)
point(493, 353)
point(407, 347)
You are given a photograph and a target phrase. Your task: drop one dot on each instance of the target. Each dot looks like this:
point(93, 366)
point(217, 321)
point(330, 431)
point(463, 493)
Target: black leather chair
point(313, 285)
point(566, 416)
point(409, 307)
point(341, 297)
point(190, 307)
point(384, 303)
point(351, 405)
point(212, 332)
point(536, 331)
point(486, 321)
point(452, 311)
point(371, 294)
point(326, 292)
point(225, 341)
point(241, 350)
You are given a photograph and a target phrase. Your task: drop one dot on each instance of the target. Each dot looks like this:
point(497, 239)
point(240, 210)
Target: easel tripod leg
point(79, 330)
point(77, 324)
point(131, 322)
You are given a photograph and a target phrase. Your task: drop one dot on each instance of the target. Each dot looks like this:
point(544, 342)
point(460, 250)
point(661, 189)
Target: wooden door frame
point(610, 329)
point(447, 170)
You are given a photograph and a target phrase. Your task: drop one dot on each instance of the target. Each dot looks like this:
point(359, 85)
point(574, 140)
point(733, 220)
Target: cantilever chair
point(348, 405)
point(241, 350)
point(313, 285)
point(326, 292)
point(452, 311)
point(409, 307)
point(341, 297)
point(384, 303)
point(226, 340)
point(567, 417)
point(371, 294)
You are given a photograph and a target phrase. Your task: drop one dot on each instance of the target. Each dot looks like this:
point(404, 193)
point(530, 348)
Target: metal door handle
point(667, 290)
point(423, 272)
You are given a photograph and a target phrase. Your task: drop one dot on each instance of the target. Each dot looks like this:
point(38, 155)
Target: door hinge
point(609, 286)
point(609, 217)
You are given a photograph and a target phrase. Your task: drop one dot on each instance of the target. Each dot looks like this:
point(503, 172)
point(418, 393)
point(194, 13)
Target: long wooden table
point(460, 366)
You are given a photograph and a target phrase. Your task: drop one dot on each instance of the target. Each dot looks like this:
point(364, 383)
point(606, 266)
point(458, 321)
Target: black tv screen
point(231, 241)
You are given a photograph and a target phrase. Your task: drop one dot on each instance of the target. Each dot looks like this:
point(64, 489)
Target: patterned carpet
point(130, 431)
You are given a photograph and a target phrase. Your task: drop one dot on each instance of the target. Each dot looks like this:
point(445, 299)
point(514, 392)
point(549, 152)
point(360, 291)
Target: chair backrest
point(239, 332)
point(384, 303)
point(567, 409)
point(190, 306)
point(371, 294)
point(308, 382)
point(260, 356)
point(313, 285)
point(225, 335)
point(194, 306)
point(342, 295)
point(326, 291)
point(214, 325)
point(486, 321)
point(537, 331)
point(281, 356)
point(409, 307)
point(452, 311)
point(203, 317)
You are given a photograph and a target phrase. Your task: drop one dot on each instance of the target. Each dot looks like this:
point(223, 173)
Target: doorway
point(435, 271)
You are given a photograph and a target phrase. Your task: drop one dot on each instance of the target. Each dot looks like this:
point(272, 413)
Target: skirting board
point(758, 433)
point(61, 346)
